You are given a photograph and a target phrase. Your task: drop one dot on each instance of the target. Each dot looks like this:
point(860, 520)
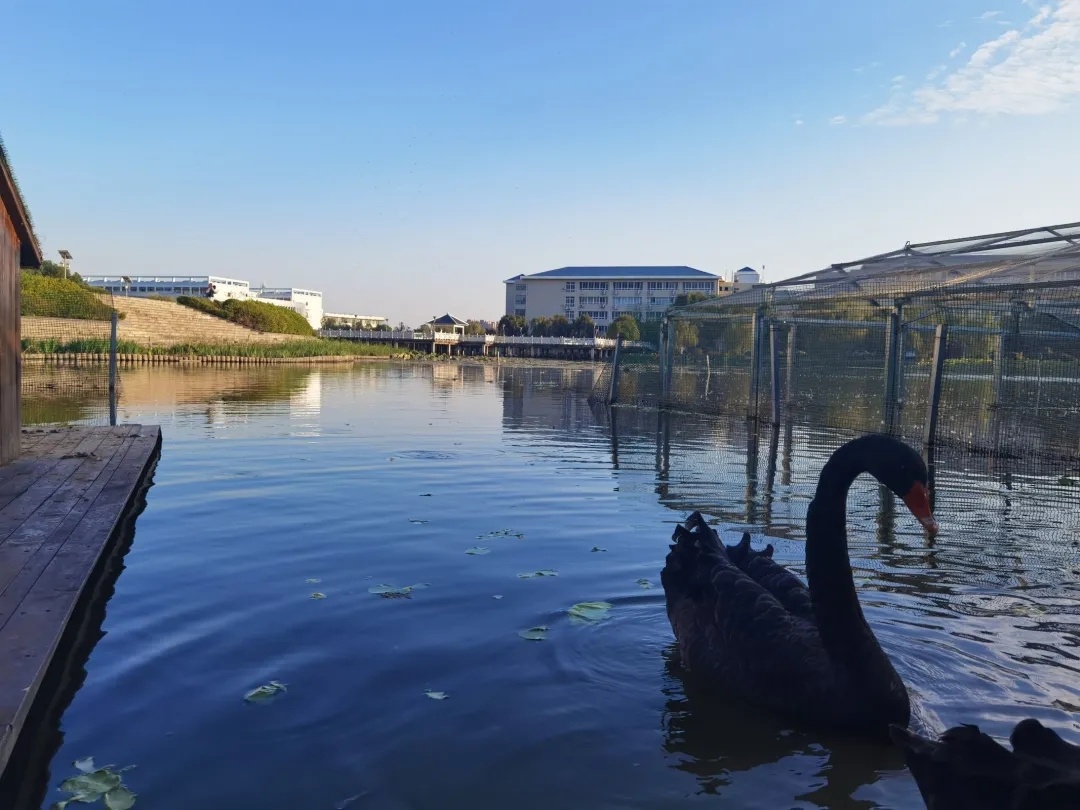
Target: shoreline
point(95, 358)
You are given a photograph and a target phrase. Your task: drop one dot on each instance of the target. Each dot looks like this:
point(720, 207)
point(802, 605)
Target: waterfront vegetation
point(312, 347)
point(256, 315)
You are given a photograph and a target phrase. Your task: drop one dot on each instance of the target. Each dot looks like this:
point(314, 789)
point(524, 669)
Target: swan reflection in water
point(737, 750)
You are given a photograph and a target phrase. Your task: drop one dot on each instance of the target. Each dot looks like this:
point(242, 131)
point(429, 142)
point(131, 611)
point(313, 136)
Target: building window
point(519, 300)
point(663, 285)
point(593, 301)
point(628, 302)
point(699, 285)
point(596, 315)
point(627, 285)
point(570, 286)
point(520, 312)
point(520, 288)
point(594, 285)
point(569, 303)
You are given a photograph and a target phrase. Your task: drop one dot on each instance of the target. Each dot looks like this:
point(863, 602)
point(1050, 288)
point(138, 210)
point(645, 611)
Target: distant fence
point(69, 345)
point(963, 357)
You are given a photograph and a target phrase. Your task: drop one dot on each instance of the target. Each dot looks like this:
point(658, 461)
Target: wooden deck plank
point(67, 461)
point(20, 474)
point(27, 551)
point(49, 585)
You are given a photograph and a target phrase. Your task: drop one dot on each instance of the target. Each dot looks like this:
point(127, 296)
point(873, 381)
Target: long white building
point(605, 293)
point(306, 302)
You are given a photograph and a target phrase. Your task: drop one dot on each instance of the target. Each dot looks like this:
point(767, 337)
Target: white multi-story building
point(172, 286)
point(605, 293)
point(307, 302)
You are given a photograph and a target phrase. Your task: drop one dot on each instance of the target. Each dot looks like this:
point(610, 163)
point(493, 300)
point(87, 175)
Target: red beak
point(918, 501)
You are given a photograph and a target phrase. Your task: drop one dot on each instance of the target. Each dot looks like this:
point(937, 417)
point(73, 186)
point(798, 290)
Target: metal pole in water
point(892, 370)
point(937, 368)
point(756, 328)
point(613, 393)
point(112, 369)
point(774, 379)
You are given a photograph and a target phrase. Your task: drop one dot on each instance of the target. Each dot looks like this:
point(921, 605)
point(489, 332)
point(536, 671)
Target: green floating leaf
point(538, 633)
point(394, 592)
point(89, 786)
point(589, 612)
point(85, 765)
point(543, 572)
point(312, 580)
point(267, 690)
point(417, 521)
point(644, 583)
point(318, 595)
point(120, 798)
point(597, 548)
point(436, 695)
point(478, 550)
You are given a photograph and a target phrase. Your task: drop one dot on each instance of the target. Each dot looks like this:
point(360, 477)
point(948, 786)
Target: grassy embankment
point(49, 297)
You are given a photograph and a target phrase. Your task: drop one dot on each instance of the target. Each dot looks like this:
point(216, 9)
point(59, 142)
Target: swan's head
point(901, 469)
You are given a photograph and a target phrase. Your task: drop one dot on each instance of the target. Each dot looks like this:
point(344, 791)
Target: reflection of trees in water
point(716, 739)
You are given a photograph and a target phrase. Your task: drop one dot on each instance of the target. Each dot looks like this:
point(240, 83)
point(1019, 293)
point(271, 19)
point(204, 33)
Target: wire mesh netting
point(67, 331)
point(990, 325)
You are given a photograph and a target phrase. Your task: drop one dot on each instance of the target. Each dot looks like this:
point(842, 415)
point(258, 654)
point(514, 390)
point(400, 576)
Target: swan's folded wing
point(788, 589)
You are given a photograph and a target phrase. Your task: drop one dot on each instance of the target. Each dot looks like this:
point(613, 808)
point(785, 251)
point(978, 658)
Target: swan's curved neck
point(839, 616)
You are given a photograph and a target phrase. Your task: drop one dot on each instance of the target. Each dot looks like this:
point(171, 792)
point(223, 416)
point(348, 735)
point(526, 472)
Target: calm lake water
point(388, 474)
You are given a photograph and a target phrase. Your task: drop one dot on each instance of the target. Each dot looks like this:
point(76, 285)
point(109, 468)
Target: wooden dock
point(61, 503)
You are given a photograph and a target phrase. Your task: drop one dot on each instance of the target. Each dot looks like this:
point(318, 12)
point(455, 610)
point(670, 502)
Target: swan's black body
point(968, 770)
point(751, 628)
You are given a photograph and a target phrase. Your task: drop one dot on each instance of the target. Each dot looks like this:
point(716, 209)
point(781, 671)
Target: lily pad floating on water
point(318, 595)
point(312, 580)
point(93, 784)
point(436, 695)
point(477, 550)
point(264, 692)
point(644, 583)
point(394, 592)
point(538, 633)
point(543, 572)
point(417, 521)
point(597, 548)
point(589, 612)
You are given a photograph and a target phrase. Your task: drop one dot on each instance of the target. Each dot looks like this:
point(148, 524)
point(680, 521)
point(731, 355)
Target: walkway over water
point(60, 504)
point(499, 345)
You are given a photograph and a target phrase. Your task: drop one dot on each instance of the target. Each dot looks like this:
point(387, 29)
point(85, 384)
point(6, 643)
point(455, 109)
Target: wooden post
point(998, 385)
point(941, 339)
point(708, 376)
point(613, 393)
point(757, 329)
point(112, 368)
point(774, 379)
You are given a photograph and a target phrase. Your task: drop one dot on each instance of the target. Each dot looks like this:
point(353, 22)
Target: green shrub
point(50, 297)
point(257, 315)
point(268, 318)
point(210, 307)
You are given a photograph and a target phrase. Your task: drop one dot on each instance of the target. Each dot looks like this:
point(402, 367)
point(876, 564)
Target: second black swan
point(749, 627)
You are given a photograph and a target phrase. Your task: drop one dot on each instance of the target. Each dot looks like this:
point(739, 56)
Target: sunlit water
point(387, 474)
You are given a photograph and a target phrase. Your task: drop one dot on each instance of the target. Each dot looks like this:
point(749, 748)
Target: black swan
point(967, 770)
point(750, 627)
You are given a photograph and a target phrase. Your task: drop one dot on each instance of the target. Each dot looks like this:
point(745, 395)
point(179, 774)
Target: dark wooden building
point(18, 248)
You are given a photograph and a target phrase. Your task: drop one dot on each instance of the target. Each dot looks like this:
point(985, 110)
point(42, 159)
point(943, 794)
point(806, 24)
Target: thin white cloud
point(1033, 71)
point(798, 122)
point(989, 15)
point(899, 79)
point(959, 49)
point(838, 119)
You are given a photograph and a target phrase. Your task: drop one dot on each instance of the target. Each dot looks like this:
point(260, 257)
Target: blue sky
point(406, 157)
